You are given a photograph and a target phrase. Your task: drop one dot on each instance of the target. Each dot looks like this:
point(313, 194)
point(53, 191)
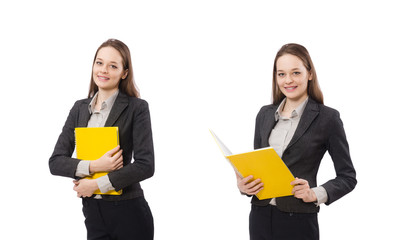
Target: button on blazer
point(320, 130)
point(132, 116)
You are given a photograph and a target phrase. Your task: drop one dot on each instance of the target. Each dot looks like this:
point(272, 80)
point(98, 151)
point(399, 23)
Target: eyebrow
point(103, 60)
point(293, 69)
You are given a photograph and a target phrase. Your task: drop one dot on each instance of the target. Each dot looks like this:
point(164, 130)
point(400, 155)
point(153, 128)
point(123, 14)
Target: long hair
point(313, 87)
point(126, 85)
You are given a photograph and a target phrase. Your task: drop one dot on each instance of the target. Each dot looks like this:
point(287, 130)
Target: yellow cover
point(264, 164)
point(93, 143)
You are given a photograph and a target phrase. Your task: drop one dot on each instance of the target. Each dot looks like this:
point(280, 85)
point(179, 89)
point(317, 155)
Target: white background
point(200, 65)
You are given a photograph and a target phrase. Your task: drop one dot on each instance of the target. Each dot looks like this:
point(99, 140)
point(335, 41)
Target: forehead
point(109, 54)
point(288, 62)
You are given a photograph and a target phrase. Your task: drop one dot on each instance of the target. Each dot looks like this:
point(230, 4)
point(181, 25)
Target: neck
point(292, 104)
point(104, 95)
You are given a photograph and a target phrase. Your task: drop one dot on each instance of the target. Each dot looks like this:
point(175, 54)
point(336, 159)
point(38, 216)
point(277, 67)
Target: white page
point(222, 147)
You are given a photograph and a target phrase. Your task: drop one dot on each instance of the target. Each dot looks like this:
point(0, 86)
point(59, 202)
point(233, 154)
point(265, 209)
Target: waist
point(288, 204)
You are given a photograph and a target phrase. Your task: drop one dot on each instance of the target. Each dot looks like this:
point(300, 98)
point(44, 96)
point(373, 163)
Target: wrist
point(94, 185)
point(313, 196)
point(93, 166)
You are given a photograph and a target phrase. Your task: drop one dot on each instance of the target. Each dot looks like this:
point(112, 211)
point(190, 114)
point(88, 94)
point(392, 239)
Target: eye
point(296, 73)
point(281, 74)
point(98, 63)
point(114, 67)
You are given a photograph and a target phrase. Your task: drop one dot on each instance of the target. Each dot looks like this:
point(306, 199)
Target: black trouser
point(126, 219)
point(269, 222)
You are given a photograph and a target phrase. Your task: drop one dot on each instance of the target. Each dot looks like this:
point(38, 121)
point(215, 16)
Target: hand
point(85, 187)
point(110, 161)
point(303, 191)
point(246, 186)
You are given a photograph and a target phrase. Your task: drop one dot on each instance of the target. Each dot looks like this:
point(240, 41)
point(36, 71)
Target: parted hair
point(126, 85)
point(313, 87)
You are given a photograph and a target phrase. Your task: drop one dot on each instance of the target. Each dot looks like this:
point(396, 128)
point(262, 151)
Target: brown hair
point(126, 85)
point(313, 87)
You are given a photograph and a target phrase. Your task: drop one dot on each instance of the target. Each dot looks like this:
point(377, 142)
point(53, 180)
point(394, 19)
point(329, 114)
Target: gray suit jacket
point(132, 117)
point(320, 129)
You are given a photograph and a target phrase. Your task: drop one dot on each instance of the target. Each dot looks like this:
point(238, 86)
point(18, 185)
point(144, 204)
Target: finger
point(256, 192)
point(75, 187)
point(118, 162)
point(300, 194)
point(117, 155)
point(298, 181)
point(300, 187)
point(247, 179)
point(255, 188)
point(118, 166)
point(114, 150)
point(253, 183)
point(120, 158)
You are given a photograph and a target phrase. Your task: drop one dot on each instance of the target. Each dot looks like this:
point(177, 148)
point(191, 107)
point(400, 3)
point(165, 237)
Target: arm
point(338, 149)
point(345, 181)
point(110, 161)
point(257, 136)
point(61, 163)
point(143, 165)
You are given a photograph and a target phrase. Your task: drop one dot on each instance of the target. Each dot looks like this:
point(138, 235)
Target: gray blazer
point(132, 117)
point(320, 129)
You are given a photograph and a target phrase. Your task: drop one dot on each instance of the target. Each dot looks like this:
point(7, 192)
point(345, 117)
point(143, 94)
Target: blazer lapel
point(309, 114)
point(120, 104)
point(84, 114)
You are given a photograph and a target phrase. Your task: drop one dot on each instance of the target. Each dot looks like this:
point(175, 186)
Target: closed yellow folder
point(93, 143)
point(264, 164)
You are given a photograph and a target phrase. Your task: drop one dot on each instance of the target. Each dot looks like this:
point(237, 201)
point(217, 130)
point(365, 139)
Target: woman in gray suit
point(113, 100)
point(300, 129)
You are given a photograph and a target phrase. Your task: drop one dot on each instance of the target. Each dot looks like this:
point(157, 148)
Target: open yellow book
point(264, 164)
point(93, 143)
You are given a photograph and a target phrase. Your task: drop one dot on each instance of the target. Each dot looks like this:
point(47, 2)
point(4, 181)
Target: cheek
point(279, 81)
point(303, 80)
point(96, 69)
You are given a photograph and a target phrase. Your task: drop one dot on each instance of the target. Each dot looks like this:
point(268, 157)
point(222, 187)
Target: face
point(108, 69)
point(292, 77)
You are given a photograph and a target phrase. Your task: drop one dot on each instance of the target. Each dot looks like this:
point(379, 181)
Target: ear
point(125, 74)
point(310, 76)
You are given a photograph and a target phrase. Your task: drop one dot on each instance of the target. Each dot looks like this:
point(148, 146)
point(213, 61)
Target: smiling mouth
point(102, 78)
point(290, 88)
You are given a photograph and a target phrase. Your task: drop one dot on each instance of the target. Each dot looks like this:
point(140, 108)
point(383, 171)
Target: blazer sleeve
point(257, 135)
point(61, 163)
point(143, 153)
point(338, 149)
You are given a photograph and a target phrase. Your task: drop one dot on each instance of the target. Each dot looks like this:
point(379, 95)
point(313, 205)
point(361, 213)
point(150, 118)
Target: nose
point(288, 79)
point(104, 69)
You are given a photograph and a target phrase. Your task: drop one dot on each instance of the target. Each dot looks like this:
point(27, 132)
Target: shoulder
point(324, 111)
point(330, 117)
point(132, 101)
point(266, 113)
point(328, 112)
point(267, 109)
point(81, 102)
point(138, 103)
point(136, 106)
